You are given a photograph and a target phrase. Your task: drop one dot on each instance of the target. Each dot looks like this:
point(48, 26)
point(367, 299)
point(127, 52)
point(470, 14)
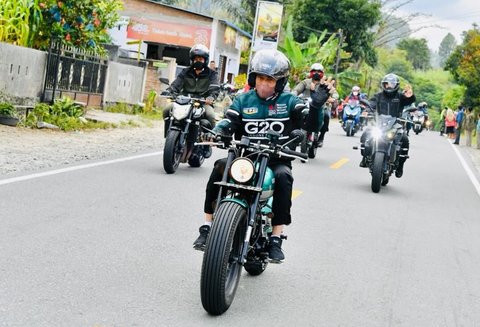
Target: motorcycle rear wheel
point(377, 171)
point(221, 268)
point(303, 145)
point(171, 153)
point(312, 150)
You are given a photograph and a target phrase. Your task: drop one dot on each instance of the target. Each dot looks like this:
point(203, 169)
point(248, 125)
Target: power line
point(433, 20)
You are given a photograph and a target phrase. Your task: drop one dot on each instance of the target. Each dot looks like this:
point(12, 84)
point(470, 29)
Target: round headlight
point(391, 134)
point(180, 111)
point(242, 170)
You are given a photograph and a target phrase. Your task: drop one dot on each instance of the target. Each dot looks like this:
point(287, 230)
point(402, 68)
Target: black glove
point(208, 137)
point(165, 93)
point(319, 96)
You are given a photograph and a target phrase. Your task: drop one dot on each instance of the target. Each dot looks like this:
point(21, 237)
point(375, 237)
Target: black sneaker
point(363, 163)
point(201, 240)
point(275, 253)
point(207, 151)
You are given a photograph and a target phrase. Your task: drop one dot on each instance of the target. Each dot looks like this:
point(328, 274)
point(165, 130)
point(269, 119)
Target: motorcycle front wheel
point(221, 268)
point(377, 171)
point(171, 152)
point(349, 128)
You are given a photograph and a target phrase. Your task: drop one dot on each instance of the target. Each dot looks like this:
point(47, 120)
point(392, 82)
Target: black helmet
point(390, 83)
point(272, 63)
point(199, 50)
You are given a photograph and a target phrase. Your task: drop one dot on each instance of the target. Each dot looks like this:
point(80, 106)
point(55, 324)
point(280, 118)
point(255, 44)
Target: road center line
point(79, 167)
point(339, 163)
point(296, 193)
point(470, 173)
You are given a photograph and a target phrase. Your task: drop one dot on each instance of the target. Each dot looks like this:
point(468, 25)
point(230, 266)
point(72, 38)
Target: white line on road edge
point(470, 173)
point(79, 167)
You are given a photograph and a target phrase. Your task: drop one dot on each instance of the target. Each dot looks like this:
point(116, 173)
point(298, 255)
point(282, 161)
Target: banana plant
point(321, 49)
point(19, 20)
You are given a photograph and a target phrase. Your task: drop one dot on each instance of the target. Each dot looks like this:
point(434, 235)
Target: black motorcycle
point(242, 219)
point(310, 142)
point(383, 146)
point(185, 127)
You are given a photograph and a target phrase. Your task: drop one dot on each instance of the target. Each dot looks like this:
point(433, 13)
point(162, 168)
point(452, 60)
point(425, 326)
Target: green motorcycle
point(242, 219)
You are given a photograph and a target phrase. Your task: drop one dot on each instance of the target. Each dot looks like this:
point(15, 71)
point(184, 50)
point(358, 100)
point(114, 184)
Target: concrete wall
point(22, 73)
point(125, 83)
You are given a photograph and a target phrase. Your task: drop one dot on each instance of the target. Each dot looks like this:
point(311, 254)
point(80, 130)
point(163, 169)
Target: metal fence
point(73, 70)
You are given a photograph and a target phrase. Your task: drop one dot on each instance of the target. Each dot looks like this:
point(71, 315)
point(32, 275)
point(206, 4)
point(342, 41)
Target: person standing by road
point(459, 118)
point(443, 115)
point(469, 126)
point(450, 124)
point(478, 131)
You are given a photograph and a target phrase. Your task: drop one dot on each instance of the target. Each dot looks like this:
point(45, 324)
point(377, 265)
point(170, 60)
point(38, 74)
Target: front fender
point(235, 200)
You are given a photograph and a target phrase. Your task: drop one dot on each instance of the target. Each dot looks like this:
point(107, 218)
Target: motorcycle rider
point(318, 119)
point(265, 104)
point(422, 106)
point(390, 102)
point(194, 80)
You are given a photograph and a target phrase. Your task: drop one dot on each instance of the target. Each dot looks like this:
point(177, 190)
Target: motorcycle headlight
point(180, 111)
point(242, 170)
point(391, 134)
point(198, 112)
point(376, 133)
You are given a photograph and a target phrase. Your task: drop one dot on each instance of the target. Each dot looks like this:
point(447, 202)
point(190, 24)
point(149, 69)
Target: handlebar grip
point(295, 153)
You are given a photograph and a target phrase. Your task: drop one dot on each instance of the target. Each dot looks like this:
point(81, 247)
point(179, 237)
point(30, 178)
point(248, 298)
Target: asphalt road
point(110, 245)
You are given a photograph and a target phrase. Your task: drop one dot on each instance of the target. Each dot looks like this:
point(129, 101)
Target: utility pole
point(339, 47)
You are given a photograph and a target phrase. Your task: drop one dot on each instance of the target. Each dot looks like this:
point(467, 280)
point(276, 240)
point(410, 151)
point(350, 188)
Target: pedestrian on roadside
point(443, 114)
point(478, 131)
point(450, 124)
point(212, 65)
point(459, 119)
point(469, 126)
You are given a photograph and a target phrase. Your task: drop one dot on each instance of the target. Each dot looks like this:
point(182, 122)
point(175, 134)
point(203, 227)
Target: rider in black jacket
point(390, 102)
point(195, 80)
point(267, 106)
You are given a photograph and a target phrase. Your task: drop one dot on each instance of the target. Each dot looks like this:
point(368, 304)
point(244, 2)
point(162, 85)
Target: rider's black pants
point(282, 193)
point(324, 129)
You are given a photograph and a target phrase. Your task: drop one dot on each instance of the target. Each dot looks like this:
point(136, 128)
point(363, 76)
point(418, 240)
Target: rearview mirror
point(164, 80)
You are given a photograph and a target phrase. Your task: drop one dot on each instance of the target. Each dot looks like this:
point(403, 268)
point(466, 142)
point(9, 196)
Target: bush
point(7, 109)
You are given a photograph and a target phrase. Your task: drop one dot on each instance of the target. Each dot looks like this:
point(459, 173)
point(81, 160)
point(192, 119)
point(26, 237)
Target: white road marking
point(79, 167)
point(470, 173)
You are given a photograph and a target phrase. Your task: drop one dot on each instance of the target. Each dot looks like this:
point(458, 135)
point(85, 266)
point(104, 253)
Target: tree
point(417, 52)
point(394, 25)
point(82, 24)
point(447, 46)
point(354, 17)
point(321, 49)
point(391, 29)
point(464, 64)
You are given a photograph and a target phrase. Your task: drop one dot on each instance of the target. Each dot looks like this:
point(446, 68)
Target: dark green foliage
point(417, 52)
point(354, 17)
point(447, 46)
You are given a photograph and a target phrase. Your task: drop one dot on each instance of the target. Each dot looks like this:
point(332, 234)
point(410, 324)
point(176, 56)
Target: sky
point(455, 16)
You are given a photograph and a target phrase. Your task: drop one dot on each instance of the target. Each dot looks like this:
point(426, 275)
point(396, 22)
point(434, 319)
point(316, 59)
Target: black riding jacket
point(392, 105)
point(187, 82)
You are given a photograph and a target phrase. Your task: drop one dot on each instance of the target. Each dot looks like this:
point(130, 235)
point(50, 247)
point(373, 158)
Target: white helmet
point(317, 66)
